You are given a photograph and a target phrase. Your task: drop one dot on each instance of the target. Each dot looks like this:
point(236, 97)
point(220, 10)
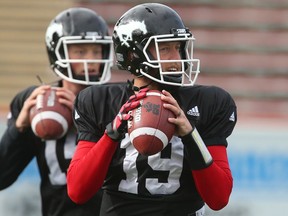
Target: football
point(149, 129)
point(50, 119)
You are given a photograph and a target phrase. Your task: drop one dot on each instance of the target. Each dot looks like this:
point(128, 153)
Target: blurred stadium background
point(243, 48)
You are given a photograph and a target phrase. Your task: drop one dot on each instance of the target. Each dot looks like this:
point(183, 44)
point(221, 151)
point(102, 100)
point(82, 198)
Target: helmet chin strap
point(91, 77)
point(136, 88)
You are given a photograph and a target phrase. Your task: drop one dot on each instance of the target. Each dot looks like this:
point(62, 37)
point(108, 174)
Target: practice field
point(258, 154)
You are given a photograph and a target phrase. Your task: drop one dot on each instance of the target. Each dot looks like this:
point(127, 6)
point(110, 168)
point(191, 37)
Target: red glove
point(117, 128)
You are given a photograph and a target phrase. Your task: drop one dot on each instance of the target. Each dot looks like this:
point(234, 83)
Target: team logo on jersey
point(125, 31)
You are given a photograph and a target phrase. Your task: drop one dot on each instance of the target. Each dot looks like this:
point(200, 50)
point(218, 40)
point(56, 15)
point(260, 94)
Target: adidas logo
point(76, 116)
point(193, 111)
point(9, 116)
point(232, 117)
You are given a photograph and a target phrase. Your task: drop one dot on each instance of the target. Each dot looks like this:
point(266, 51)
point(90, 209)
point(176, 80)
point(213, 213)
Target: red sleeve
point(88, 168)
point(215, 182)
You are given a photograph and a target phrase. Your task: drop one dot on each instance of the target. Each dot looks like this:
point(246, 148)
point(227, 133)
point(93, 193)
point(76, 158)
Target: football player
point(152, 43)
point(80, 53)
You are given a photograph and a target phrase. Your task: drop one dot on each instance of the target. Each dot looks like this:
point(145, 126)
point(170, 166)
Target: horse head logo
point(125, 31)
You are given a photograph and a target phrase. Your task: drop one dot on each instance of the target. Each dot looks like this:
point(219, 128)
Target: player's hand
point(183, 126)
point(66, 97)
point(117, 128)
point(23, 120)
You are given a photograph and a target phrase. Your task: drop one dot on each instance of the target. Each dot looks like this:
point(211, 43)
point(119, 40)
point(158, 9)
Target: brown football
point(149, 130)
point(50, 119)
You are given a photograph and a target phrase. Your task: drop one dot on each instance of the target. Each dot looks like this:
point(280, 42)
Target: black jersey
point(160, 181)
point(53, 158)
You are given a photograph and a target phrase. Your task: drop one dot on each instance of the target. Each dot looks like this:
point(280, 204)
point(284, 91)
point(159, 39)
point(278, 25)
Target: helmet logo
point(92, 34)
point(55, 28)
point(125, 31)
point(181, 31)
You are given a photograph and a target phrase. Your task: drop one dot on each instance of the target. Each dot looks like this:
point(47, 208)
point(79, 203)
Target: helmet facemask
point(63, 63)
point(187, 69)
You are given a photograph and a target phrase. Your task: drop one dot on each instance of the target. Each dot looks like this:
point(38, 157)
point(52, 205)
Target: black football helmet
point(78, 26)
point(154, 23)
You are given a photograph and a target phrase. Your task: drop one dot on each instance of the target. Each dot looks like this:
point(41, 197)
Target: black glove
point(117, 128)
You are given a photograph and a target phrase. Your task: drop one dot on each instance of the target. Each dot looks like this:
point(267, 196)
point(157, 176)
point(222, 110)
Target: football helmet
point(78, 26)
point(151, 24)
